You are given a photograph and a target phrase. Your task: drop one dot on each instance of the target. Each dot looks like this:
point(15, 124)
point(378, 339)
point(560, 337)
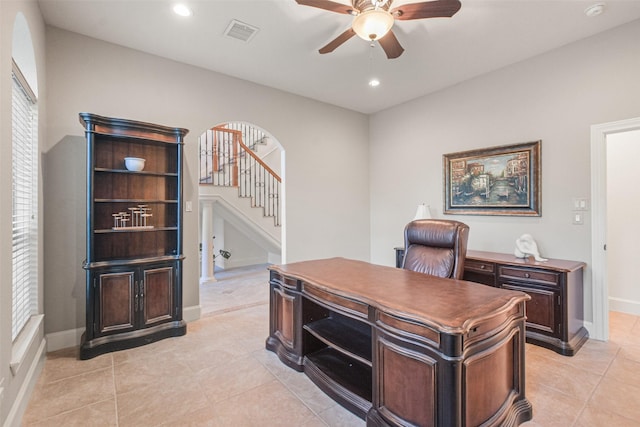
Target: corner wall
point(554, 97)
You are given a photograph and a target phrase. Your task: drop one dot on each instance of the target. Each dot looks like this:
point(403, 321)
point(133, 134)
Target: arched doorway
point(241, 198)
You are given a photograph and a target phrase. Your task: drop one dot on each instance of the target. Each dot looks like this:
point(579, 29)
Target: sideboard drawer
point(529, 275)
point(479, 266)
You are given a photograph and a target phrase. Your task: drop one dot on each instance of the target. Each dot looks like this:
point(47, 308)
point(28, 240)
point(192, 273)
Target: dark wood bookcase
point(133, 269)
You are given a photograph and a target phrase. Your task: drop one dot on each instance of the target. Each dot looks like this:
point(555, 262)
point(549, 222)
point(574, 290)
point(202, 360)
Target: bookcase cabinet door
point(116, 302)
point(157, 294)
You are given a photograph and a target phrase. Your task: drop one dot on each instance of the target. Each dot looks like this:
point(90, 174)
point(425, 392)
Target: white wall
point(623, 203)
point(326, 146)
point(15, 387)
point(554, 97)
point(243, 250)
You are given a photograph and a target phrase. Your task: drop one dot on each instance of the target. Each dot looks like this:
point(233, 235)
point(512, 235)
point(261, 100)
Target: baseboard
point(189, 314)
point(14, 419)
point(589, 327)
point(72, 337)
point(243, 262)
point(64, 339)
point(624, 306)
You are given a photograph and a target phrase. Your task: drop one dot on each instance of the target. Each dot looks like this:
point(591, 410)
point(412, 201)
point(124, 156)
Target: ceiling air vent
point(241, 31)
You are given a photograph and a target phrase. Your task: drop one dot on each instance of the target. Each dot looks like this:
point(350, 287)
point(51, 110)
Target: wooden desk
point(402, 348)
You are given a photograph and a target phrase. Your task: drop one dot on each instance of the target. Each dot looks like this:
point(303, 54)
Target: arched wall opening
point(242, 214)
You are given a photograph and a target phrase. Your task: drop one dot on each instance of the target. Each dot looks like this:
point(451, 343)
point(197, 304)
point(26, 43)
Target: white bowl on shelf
point(134, 163)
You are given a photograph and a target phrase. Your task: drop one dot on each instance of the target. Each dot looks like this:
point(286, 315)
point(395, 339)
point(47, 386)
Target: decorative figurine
point(137, 219)
point(525, 246)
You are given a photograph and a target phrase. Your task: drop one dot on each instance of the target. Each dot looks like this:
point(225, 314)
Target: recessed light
point(594, 10)
point(374, 82)
point(182, 10)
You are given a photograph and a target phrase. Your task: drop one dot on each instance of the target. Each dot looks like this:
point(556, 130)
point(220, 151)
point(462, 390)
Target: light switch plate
point(578, 218)
point(580, 204)
point(188, 206)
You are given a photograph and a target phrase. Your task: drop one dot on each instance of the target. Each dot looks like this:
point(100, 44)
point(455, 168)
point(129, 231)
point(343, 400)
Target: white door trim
point(600, 294)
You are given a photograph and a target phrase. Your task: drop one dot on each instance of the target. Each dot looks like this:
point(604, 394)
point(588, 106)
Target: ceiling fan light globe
point(372, 24)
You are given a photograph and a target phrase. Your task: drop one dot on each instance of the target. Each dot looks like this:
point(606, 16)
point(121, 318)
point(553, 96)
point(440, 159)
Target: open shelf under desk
point(343, 378)
point(344, 336)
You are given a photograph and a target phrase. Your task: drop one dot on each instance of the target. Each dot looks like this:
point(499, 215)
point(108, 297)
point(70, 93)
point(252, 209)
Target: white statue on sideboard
point(525, 246)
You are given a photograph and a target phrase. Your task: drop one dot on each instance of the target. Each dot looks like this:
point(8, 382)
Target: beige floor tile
point(631, 352)
point(153, 349)
point(160, 370)
point(301, 386)
point(51, 399)
point(575, 382)
point(617, 397)
point(552, 408)
point(233, 377)
point(156, 404)
point(65, 363)
point(96, 415)
point(600, 417)
point(337, 416)
point(595, 356)
point(624, 370)
point(251, 408)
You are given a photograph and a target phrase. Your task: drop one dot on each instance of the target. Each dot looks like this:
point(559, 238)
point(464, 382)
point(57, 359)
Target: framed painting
point(502, 180)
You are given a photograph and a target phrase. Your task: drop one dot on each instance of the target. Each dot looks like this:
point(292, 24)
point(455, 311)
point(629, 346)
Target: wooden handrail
point(238, 134)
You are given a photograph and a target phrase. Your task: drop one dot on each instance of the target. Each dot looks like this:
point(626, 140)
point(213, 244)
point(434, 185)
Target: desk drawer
point(479, 266)
point(529, 275)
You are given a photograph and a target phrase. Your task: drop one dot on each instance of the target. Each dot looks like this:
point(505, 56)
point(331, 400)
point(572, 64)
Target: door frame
point(600, 287)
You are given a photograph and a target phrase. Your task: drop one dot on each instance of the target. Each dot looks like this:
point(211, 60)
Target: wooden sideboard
point(555, 318)
point(401, 348)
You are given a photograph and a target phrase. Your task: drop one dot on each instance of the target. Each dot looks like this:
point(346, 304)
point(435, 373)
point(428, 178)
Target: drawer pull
point(527, 275)
point(482, 267)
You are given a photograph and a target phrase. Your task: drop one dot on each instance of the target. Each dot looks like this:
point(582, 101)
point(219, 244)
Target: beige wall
point(16, 386)
point(326, 152)
point(554, 97)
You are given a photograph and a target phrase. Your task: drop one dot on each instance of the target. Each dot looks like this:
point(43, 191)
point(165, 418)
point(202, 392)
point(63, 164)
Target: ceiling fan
point(373, 19)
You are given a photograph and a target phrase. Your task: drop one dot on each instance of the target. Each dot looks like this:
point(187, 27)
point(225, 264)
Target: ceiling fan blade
point(333, 44)
point(428, 9)
point(328, 5)
point(391, 45)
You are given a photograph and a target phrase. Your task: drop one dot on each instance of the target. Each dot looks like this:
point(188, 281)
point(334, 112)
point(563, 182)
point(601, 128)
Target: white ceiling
point(483, 36)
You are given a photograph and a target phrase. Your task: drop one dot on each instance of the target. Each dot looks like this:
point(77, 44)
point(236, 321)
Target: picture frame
point(502, 180)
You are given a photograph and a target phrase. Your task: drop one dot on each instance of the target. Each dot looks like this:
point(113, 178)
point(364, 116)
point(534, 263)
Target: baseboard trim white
point(624, 306)
point(189, 314)
point(64, 339)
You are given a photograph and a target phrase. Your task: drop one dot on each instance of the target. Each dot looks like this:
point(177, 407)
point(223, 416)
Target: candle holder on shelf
point(138, 218)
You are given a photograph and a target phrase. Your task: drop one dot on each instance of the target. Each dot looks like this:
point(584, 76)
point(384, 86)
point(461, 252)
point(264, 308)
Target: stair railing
point(226, 161)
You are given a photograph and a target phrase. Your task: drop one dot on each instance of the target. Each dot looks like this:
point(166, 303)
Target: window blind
point(24, 191)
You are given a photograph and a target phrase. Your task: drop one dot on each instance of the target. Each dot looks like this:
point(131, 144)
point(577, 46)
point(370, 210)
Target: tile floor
point(219, 374)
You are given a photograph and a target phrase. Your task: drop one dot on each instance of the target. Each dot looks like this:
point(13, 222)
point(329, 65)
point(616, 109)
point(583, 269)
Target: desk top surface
point(450, 305)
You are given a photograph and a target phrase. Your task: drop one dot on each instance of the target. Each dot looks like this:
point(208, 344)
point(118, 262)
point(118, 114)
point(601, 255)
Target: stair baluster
point(225, 160)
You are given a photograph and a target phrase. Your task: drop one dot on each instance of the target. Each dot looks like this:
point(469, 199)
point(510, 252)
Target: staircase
point(228, 159)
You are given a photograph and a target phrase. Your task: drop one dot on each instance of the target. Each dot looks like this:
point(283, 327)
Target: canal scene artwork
point(494, 181)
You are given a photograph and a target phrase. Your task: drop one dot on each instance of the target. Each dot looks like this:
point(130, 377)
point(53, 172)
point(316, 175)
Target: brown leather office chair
point(436, 246)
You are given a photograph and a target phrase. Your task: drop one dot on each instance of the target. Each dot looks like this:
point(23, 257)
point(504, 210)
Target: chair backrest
point(435, 246)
